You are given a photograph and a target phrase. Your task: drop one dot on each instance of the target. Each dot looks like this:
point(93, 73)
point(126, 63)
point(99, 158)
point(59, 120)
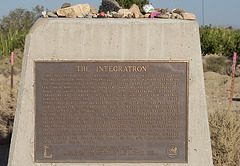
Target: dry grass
point(225, 138)
point(218, 64)
point(8, 96)
point(5, 64)
point(7, 108)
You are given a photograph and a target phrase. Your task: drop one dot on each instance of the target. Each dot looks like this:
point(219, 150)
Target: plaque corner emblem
point(172, 151)
point(47, 152)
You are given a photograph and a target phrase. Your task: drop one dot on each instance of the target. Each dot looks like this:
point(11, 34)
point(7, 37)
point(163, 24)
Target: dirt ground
point(8, 101)
point(217, 89)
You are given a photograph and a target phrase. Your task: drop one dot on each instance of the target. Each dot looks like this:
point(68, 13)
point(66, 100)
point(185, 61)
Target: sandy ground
point(217, 89)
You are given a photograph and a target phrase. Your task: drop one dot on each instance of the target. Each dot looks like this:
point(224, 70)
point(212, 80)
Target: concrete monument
point(111, 92)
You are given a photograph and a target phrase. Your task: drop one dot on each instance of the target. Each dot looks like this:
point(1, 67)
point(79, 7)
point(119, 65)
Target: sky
point(216, 12)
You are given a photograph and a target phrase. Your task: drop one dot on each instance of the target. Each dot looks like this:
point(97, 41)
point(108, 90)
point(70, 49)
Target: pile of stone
point(175, 14)
point(111, 9)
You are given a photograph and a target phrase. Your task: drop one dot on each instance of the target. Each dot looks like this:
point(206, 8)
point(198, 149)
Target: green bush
point(221, 41)
point(225, 138)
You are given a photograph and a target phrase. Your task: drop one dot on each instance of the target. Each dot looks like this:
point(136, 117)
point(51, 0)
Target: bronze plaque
point(111, 111)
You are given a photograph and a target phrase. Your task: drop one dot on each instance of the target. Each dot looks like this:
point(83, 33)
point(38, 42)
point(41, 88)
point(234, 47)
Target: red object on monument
point(102, 14)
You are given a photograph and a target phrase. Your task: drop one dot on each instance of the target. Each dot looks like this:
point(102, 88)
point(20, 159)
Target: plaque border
point(108, 61)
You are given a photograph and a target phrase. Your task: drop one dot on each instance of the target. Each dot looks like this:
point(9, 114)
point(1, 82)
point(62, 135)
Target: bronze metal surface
point(111, 111)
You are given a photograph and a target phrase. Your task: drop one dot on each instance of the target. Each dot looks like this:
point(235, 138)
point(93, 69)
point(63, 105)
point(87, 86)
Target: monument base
point(112, 41)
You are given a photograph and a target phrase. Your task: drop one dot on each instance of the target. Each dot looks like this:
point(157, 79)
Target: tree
point(20, 20)
point(15, 27)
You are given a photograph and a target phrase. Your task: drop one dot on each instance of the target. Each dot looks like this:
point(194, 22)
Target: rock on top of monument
point(185, 15)
point(188, 16)
point(65, 5)
point(175, 14)
point(178, 11)
point(115, 11)
point(135, 9)
point(117, 15)
point(73, 11)
point(51, 15)
point(93, 10)
point(163, 16)
point(161, 10)
point(110, 5)
point(126, 12)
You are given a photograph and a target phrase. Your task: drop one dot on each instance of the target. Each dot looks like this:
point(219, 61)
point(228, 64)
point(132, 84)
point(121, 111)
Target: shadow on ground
point(236, 99)
point(4, 150)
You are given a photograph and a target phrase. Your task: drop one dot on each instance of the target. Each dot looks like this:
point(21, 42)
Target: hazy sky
point(216, 12)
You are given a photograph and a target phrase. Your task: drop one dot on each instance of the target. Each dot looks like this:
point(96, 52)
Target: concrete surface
point(112, 39)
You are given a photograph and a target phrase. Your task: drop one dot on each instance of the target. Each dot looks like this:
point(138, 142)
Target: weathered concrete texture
point(113, 39)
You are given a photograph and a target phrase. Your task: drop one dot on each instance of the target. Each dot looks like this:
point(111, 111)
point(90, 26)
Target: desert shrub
point(218, 64)
point(225, 138)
